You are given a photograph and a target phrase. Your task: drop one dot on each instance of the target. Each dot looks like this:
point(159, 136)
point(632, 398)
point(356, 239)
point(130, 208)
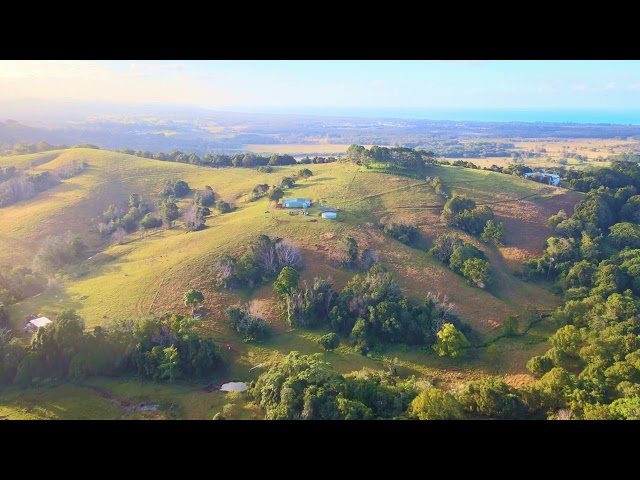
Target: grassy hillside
point(151, 274)
point(105, 399)
point(25, 161)
point(298, 149)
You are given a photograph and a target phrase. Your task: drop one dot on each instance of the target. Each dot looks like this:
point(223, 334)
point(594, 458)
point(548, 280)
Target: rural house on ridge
point(296, 203)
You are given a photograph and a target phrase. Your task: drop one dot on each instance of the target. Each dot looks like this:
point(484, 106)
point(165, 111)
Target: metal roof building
point(296, 202)
point(36, 323)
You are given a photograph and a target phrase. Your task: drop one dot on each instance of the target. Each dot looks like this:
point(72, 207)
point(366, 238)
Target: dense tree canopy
point(306, 387)
point(462, 212)
point(595, 264)
point(435, 404)
point(165, 347)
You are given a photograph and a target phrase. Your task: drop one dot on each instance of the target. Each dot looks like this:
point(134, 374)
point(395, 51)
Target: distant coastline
point(586, 116)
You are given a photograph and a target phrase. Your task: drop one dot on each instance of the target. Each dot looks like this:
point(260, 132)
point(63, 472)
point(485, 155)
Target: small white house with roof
point(296, 202)
point(36, 323)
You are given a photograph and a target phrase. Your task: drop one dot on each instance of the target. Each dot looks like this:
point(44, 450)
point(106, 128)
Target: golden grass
point(108, 399)
point(299, 148)
point(65, 402)
point(151, 274)
point(25, 161)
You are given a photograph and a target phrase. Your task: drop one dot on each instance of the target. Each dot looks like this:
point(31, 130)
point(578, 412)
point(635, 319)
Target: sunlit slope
point(25, 161)
point(152, 273)
point(76, 204)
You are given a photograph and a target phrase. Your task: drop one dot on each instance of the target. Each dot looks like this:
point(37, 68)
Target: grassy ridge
point(151, 274)
point(25, 161)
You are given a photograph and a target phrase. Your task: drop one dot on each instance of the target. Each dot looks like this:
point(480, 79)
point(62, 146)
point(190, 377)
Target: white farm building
point(554, 179)
point(296, 203)
point(36, 323)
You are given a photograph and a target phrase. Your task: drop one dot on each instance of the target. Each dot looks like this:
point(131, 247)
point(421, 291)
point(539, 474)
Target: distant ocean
point(624, 117)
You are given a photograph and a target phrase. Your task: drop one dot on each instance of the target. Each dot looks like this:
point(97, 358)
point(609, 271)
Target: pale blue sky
point(373, 84)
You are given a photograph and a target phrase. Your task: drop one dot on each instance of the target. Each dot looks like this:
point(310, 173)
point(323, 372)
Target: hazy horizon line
point(583, 115)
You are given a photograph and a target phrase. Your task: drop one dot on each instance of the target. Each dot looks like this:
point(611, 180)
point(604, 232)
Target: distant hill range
point(199, 130)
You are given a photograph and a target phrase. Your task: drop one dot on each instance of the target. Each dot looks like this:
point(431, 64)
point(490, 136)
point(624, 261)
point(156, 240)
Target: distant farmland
point(299, 149)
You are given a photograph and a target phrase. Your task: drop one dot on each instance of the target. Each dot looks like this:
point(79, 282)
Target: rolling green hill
point(151, 274)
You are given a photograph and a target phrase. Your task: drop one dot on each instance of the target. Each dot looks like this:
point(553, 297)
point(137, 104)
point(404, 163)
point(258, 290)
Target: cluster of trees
point(205, 197)
point(24, 186)
point(150, 221)
point(458, 149)
point(462, 212)
point(224, 207)
point(618, 175)
point(465, 164)
point(486, 398)
point(175, 188)
point(18, 283)
point(407, 234)
point(118, 222)
point(244, 320)
point(390, 157)
point(115, 221)
point(169, 211)
point(7, 173)
point(157, 348)
point(279, 159)
point(18, 185)
point(247, 160)
point(463, 258)
point(316, 159)
point(87, 145)
point(624, 170)
point(306, 305)
point(592, 368)
point(275, 193)
point(26, 147)
point(71, 169)
point(372, 310)
point(633, 157)
point(347, 254)
point(259, 191)
point(515, 169)
point(263, 260)
point(287, 182)
point(330, 341)
point(493, 232)
point(57, 251)
point(305, 387)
